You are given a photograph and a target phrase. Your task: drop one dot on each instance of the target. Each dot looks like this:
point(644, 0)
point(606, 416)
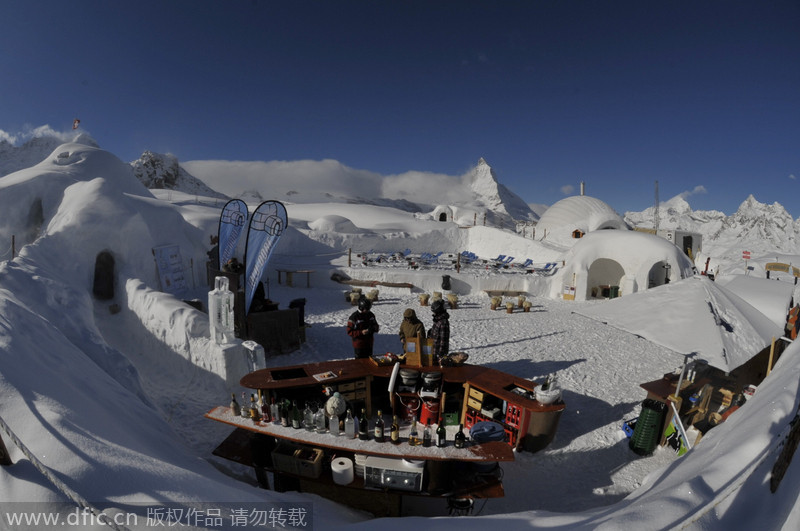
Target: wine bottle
point(427, 435)
point(413, 436)
point(349, 426)
point(379, 428)
point(263, 408)
point(363, 426)
point(394, 435)
point(296, 416)
point(441, 434)
point(235, 410)
point(285, 414)
point(460, 439)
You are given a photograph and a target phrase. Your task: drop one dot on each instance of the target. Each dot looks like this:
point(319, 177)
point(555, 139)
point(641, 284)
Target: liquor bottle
point(427, 434)
point(245, 411)
point(274, 412)
point(254, 416)
point(460, 438)
point(349, 426)
point(379, 427)
point(394, 435)
point(296, 416)
point(263, 408)
point(235, 410)
point(308, 418)
point(333, 424)
point(363, 426)
point(319, 420)
point(441, 434)
point(413, 436)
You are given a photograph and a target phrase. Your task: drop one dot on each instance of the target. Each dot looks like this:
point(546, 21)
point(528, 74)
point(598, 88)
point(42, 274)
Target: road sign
point(746, 255)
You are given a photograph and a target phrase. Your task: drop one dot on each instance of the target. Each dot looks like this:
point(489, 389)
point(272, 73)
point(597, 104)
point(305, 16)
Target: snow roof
point(692, 316)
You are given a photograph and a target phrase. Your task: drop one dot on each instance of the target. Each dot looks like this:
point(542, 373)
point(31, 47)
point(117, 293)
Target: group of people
point(362, 327)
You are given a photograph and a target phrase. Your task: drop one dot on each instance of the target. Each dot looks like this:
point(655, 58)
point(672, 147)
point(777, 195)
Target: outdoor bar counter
point(468, 394)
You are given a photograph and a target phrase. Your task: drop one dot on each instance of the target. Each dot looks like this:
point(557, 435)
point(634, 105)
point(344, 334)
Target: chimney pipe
point(583, 188)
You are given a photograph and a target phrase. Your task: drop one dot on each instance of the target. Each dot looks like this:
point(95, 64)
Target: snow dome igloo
point(333, 223)
point(577, 213)
point(610, 263)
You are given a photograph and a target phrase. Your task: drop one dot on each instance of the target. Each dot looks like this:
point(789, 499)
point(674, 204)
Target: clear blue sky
point(551, 93)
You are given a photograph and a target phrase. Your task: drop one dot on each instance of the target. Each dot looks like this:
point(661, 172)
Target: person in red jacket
point(362, 327)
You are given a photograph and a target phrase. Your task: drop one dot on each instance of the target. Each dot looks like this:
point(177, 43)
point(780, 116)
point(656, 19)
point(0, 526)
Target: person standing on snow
point(411, 327)
point(362, 327)
point(440, 331)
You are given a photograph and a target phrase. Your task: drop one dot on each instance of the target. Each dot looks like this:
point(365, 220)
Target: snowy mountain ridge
point(157, 171)
point(755, 226)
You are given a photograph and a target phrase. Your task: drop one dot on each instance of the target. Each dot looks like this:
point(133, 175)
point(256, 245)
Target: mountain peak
point(487, 189)
point(162, 171)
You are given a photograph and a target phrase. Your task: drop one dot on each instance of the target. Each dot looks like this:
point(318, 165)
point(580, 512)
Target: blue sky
point(699, 96)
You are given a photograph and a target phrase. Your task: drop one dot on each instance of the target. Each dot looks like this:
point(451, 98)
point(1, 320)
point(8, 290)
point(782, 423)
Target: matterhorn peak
point(496, 197)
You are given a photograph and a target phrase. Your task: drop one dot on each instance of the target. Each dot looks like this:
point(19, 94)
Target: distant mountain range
point(762, 229)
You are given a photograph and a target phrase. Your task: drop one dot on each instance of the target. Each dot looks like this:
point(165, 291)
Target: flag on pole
point(232, 222)
point(75, 123)
point(746, 255)
point(266, 227)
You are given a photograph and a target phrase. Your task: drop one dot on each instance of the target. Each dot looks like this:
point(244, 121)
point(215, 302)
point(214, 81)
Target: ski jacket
point(440, 333)
point(357, 324)
point(411, 328)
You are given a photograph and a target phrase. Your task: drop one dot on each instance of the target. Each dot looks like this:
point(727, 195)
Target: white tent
point(692, 316)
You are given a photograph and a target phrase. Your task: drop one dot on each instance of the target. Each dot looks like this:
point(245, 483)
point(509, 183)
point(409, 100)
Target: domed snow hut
point(334, 223)
point(443, 213)
point(608, 264)
point(575, 216)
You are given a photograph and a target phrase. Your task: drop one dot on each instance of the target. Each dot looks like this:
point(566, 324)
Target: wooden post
point(349, 257)
point(13, 246)
point(458, 263)
point(771, 354)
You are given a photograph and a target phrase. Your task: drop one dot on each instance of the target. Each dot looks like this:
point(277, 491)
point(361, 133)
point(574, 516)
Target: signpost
point(746, 257)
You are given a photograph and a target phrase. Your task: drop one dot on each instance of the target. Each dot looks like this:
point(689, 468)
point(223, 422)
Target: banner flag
point(232, 222)
point(266, 226)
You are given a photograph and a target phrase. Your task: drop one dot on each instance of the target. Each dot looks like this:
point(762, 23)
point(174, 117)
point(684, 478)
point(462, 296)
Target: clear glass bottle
point(308, 418)
point(349, 426)
point(319, 420)
point(245, 409)
point(333, 424)
point(284, 409)
point(274, 412)
point(413, 435)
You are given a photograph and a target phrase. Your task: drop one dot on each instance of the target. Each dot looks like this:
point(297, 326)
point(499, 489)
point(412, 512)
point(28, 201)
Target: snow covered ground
point(111, 404)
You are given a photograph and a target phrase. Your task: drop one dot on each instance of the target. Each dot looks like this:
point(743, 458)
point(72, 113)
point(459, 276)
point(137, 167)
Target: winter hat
point(409, 313)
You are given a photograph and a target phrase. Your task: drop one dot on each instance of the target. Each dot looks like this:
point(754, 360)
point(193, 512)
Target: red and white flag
point(75, 123)
point(746, 255)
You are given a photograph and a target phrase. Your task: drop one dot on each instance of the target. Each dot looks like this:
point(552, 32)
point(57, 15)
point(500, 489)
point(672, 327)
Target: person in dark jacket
point(362, 327)
point(411, 327)
point(440, 331)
